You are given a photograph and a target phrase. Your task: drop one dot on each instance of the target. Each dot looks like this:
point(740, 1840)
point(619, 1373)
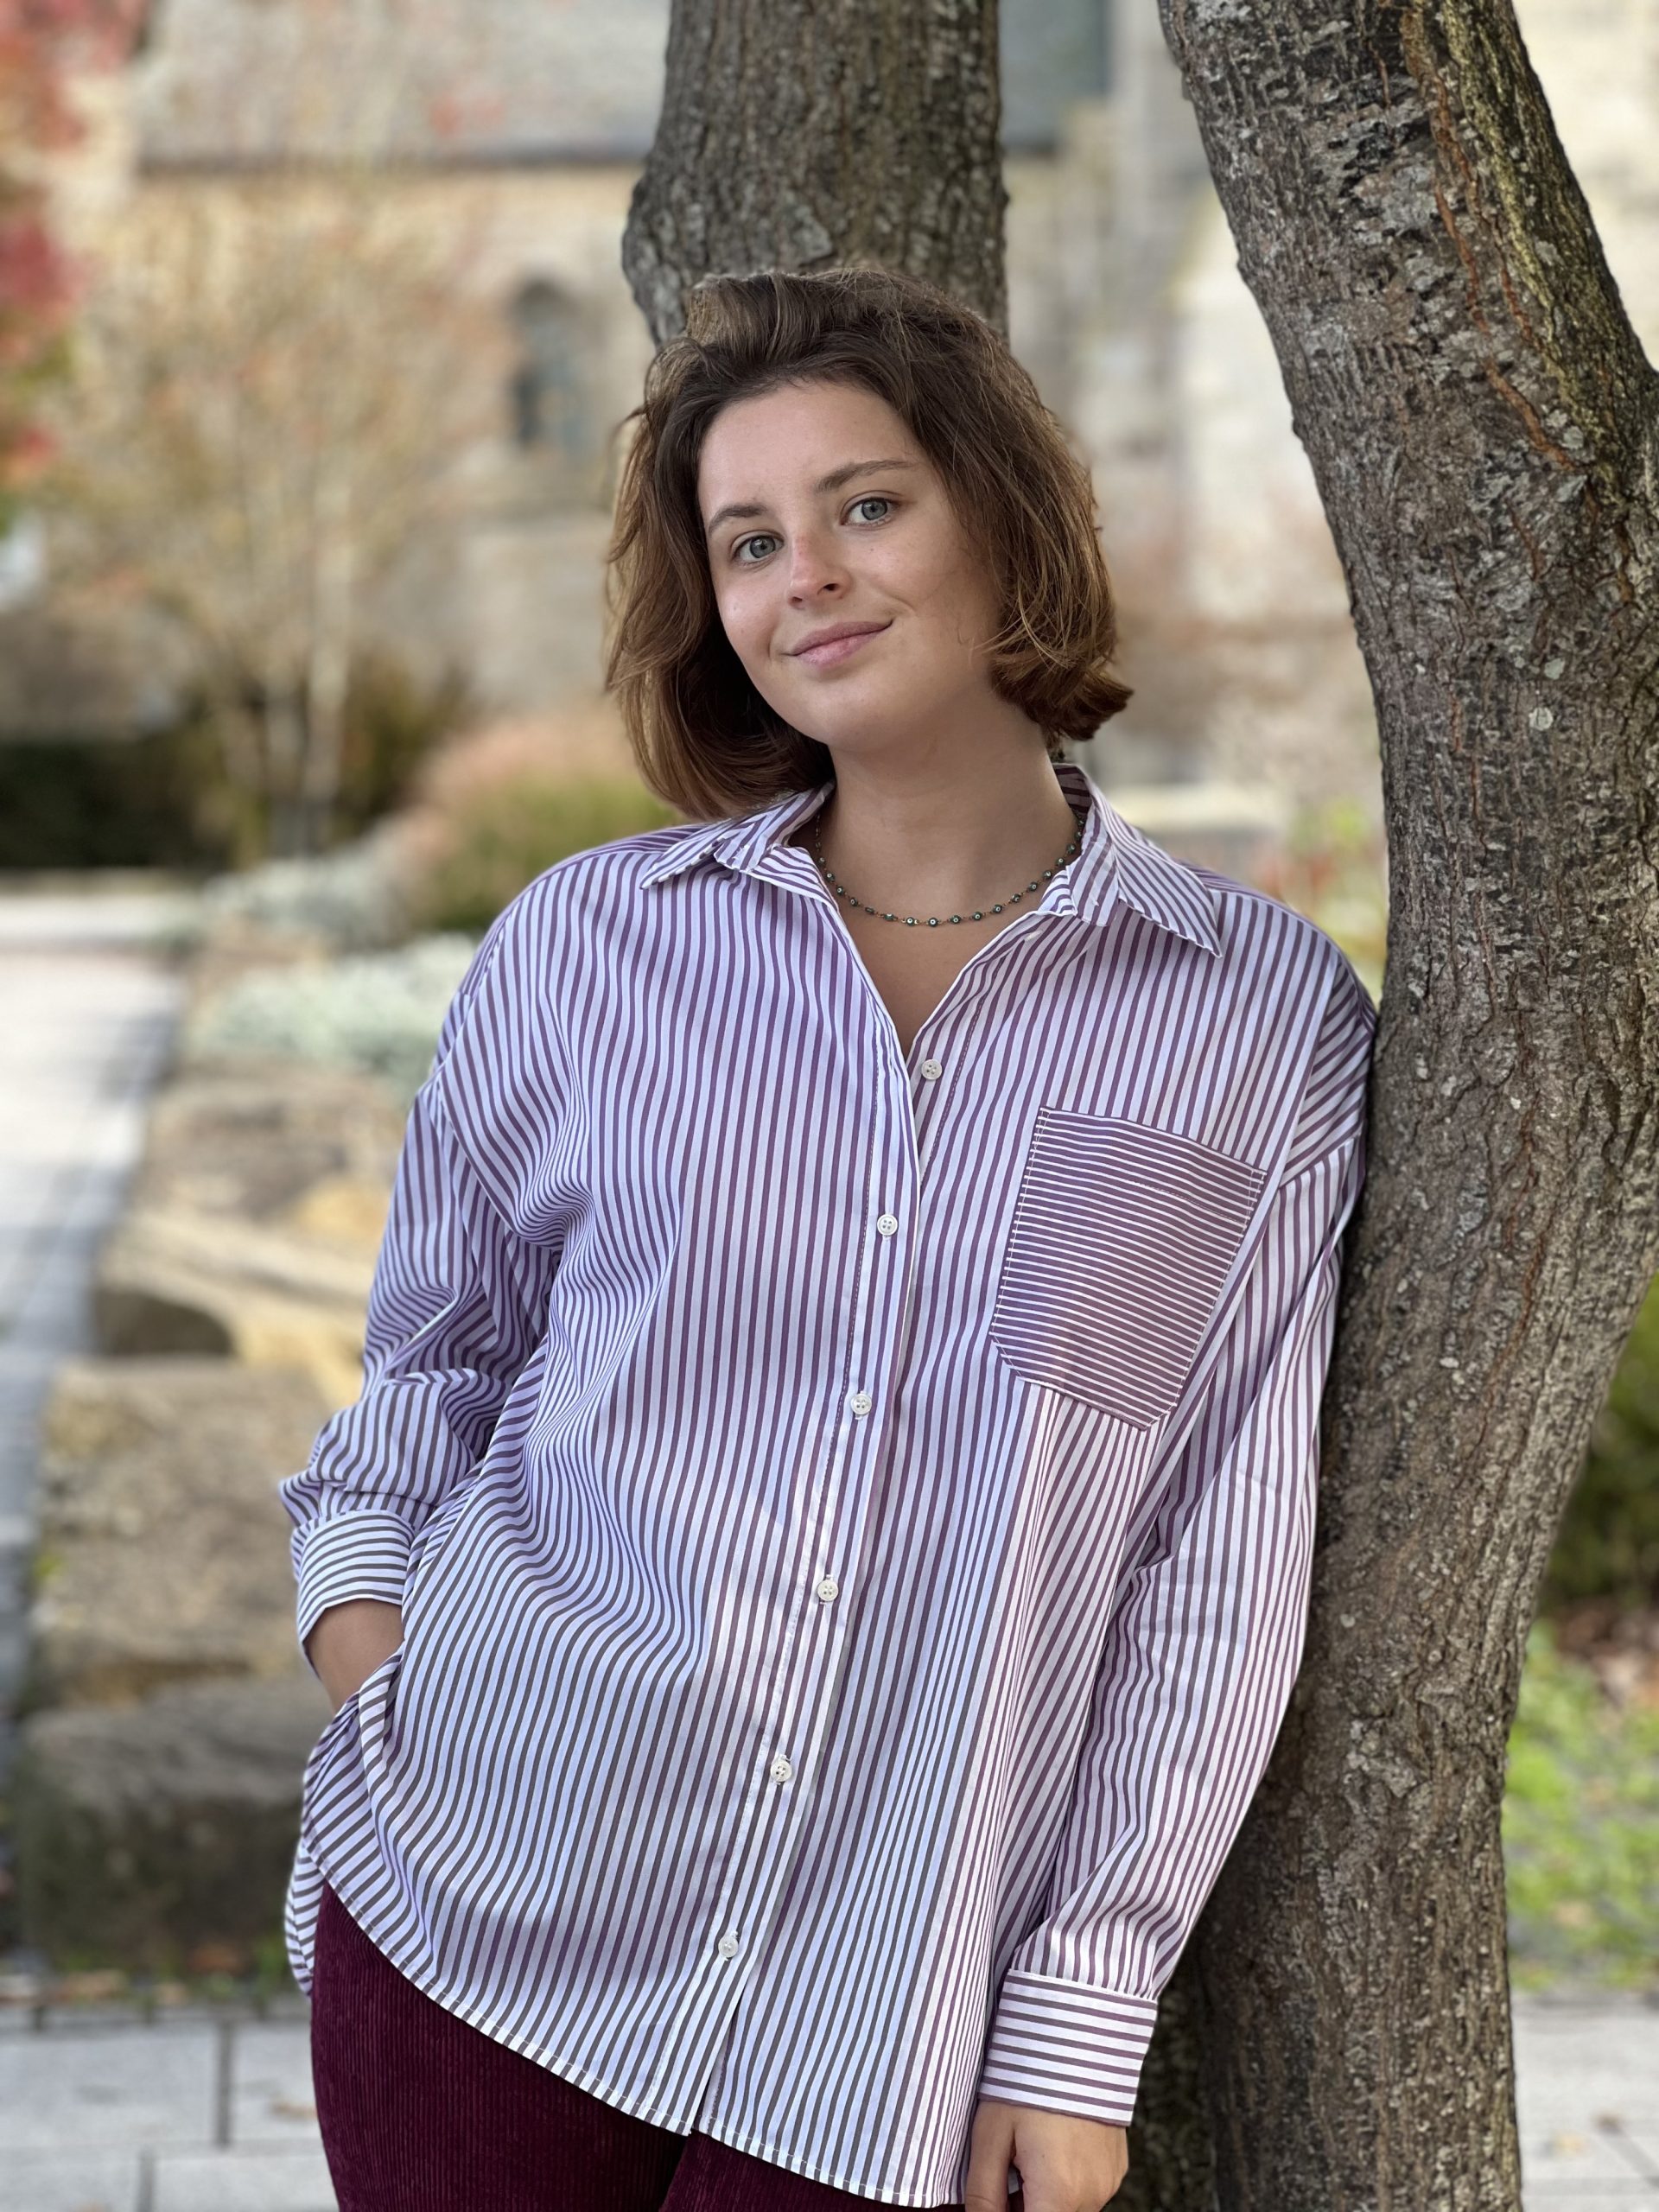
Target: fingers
point(990, 2154)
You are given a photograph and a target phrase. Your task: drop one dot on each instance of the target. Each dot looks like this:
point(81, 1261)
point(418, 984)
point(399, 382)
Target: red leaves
point(36, 280)
point(42, 43)
point(96, 31)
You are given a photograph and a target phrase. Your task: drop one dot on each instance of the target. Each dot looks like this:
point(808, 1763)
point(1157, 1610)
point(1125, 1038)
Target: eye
point(875, 500)
point(758, 538)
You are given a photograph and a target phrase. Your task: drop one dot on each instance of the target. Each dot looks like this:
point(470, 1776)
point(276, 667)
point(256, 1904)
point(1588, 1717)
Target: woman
point(815, 1573)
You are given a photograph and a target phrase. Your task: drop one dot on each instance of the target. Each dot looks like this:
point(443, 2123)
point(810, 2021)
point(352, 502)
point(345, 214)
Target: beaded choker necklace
point(933, 921)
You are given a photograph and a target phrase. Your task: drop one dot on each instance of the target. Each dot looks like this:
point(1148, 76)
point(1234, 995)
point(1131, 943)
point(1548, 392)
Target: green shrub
point(111, 802)
point(1608, 1542)
point(379, 1012)
point(394, 720)
point(501, 836)
point(164, 798)
point(1581, 1807)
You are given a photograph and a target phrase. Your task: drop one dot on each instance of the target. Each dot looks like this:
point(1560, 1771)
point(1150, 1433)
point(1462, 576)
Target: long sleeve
point(455, 1311)
point(1203, 1650)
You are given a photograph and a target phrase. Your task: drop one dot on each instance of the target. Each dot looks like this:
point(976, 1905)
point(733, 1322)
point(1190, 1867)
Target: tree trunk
point(1484, 431)
point(285, 740)
point(331, 631)
point(798, 134)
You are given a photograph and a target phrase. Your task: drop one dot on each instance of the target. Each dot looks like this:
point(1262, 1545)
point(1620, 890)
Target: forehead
point(793, 434)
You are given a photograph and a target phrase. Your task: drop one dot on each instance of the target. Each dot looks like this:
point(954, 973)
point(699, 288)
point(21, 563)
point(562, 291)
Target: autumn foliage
point(44, 43)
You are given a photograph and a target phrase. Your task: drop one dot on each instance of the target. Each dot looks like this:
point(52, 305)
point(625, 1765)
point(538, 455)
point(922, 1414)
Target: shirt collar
point(1116, 861)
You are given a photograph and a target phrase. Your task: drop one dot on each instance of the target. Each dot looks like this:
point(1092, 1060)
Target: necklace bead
point(933, 921)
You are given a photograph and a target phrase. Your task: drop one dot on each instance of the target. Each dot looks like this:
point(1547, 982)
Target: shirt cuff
point(361, 1553)
point(1065, 2047)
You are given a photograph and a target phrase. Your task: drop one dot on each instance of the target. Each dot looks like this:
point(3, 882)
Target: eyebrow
point(832, 482)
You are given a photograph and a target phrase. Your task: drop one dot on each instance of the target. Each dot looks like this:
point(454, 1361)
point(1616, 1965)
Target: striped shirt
point(852, 1510)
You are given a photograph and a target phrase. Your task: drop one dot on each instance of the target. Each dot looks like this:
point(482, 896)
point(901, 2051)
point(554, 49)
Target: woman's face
point(820, 510)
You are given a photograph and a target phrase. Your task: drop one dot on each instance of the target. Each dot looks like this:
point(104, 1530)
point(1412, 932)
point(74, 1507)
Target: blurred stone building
point(519, 127)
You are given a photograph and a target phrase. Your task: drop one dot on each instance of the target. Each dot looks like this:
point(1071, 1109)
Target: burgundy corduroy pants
point(421, 2112)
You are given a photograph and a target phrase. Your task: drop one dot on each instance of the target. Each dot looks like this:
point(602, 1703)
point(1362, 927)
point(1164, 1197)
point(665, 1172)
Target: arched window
point(548, 415)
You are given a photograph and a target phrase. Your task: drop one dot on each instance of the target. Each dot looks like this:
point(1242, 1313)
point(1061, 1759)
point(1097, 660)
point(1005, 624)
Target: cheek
point(956, 606)
point(941, 582)
point(976, 597)
point(745, 620)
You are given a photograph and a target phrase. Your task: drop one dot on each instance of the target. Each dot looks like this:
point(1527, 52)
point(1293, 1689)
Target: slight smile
point(838, 648)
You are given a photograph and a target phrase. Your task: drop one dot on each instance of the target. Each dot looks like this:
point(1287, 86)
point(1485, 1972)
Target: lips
point(839, 643)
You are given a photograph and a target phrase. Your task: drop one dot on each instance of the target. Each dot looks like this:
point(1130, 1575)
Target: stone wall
point(168, 1710)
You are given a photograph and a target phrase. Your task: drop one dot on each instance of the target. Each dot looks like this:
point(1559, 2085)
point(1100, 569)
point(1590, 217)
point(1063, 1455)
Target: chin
point(854, 730)
point(855, 708)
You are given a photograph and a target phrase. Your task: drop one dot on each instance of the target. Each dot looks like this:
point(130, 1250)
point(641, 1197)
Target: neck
point(946, 836)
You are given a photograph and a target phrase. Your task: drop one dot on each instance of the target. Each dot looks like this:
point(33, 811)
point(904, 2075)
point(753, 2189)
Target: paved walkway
point(88, 1004)
point(196, 2114)
point(204, 2111)
point(192, 2114)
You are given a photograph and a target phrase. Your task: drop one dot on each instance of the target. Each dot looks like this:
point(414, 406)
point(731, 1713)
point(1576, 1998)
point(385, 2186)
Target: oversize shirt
point(851, 1509)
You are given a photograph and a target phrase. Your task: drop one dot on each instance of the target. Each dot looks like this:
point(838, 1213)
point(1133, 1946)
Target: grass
point(1580, 1820)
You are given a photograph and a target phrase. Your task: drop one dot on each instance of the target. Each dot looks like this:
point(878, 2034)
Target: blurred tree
point(41, 42)
point(275, 389)
point(1482, 424)
point(266, 405)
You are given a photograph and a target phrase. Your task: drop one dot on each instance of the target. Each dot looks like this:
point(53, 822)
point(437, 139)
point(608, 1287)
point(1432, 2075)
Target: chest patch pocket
point(1122, 1238)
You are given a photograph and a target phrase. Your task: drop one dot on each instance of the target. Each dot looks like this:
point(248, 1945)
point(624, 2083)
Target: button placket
point(802, 1696)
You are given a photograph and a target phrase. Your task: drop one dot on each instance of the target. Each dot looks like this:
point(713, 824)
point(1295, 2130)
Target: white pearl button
point(887, 1223)
point(932, 1071)
point(861, 1401)
point(728, 1944)
point(828, 1588)
point(781, 1768)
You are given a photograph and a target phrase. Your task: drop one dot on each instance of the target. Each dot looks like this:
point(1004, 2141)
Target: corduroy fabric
point(421, 2112)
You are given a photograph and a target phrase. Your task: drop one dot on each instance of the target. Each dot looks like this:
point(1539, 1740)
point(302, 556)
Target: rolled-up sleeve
point(456, 1308)
point(1205, 1643)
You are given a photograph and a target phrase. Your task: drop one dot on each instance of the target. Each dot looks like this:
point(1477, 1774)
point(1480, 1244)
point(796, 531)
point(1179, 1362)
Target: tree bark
point(1484, 431)
point(798, 134)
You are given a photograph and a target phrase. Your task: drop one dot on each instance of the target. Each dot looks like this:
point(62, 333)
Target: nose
point(815, 568)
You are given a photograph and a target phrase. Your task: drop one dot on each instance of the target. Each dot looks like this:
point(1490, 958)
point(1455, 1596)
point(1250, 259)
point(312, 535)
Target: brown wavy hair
point(703, 737)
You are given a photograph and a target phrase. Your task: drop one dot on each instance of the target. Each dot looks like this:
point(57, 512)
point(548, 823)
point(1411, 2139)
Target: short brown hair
point(702, 736)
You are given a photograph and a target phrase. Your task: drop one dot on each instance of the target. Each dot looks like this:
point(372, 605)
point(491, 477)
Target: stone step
point(151, 1835)
point(163, 1552)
